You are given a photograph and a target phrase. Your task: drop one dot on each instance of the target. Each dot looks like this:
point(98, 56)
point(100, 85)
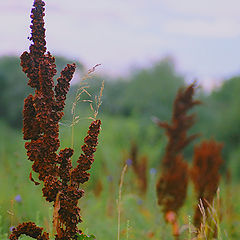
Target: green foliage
point(85, 237)
point(227, 123)
point(128, 105)
point(140, 217)
point(219, 116)
point(147, 92)
point(13, 90)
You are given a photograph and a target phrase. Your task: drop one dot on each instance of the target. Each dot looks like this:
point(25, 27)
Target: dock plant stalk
point(172, 185)
point(42, 113)
point(205, 174)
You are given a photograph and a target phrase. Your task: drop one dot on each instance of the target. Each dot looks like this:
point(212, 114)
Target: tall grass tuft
point(205, 174)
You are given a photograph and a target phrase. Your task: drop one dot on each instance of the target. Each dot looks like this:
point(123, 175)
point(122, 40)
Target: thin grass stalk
point(120, 199)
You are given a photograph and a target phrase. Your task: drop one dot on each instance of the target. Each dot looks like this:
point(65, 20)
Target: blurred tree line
point(145, 93)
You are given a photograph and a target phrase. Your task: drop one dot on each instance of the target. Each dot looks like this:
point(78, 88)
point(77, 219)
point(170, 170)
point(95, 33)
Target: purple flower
point(18, 198)
point(153, 171)
point(11, 228)
point(129, 162)
point(110, 178)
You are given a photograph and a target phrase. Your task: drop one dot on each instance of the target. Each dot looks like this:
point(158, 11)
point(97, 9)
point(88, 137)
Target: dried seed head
point(42, 113)
point(172, 184)
point(205, 173)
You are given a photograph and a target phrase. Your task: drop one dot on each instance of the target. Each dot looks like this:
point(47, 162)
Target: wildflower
point(153, 171)
point(18, 198)
point(11, 228)
point(129, 162)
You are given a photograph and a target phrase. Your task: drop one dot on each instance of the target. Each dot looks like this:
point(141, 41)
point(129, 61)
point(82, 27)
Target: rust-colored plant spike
point(42, 113)
point(29, 229)
point(139, 167)
point(205, 174)
point(172, 184)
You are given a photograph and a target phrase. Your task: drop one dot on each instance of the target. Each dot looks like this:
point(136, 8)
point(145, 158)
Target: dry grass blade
point(210, 225)
point(56, 222)
point(98, 102)
point(120, 198)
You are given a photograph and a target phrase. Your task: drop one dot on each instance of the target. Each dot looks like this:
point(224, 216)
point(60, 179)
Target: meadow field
point(141, 217)
point(148, 156)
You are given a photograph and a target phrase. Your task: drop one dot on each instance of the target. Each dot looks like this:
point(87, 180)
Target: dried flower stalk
point(205, 174)
point(172, 184)
point(42, 113)
point(29, 229)
point(139, 167)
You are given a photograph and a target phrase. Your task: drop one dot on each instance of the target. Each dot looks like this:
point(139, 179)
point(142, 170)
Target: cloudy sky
point(203, 36)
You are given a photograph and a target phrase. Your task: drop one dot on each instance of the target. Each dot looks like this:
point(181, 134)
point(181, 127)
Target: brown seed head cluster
point(172, 184)
point(205, 173)
point(42, 113)
point(29, 229)
point(139, 167)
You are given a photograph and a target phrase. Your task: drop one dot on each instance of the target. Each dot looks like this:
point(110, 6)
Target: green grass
point(141, 218)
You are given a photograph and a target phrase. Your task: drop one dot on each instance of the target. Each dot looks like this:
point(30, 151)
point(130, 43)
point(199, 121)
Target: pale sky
point(202, 36)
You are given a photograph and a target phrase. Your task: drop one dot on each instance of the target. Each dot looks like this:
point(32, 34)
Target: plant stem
point(119, 199)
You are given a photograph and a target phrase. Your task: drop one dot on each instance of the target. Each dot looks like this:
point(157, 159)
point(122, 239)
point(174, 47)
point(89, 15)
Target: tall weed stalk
point(172, 184)
point(42, 113)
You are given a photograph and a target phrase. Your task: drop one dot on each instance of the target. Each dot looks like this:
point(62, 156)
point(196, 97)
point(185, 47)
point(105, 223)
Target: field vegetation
point(167, 161)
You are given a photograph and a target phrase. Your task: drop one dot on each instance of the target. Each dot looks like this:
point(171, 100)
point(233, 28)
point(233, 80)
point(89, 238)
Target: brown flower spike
point(29, 229)
point(205, 174)
point(42, 113)
point(139, 167)
point(172, 184)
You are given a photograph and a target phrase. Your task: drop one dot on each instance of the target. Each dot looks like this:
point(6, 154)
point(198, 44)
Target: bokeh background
point(147, 51)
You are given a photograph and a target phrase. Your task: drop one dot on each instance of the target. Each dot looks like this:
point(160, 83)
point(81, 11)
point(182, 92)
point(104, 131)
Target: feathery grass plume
point(205, 173)
point(172, 184)
point(94, 105)
point(42, 113)
point(139, 167)
point(210, 224)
